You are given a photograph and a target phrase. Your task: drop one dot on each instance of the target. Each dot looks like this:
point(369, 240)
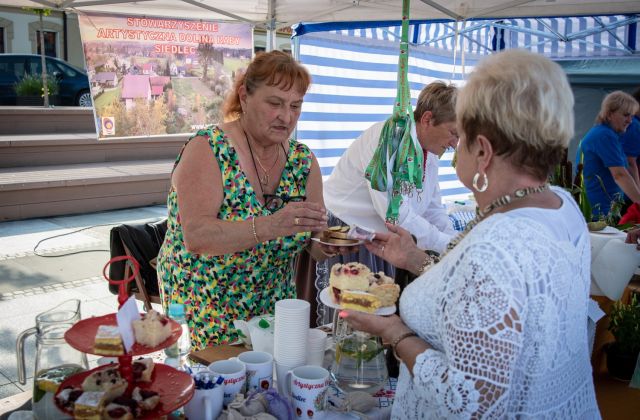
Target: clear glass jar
point(359, 363)
point(55, 359)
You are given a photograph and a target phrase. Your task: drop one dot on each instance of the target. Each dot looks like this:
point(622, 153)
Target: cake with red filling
point(152, 329)
point(349, 276)
point(106, 380)
point(115, 411)
point(354, 286)
point(142, 369)
point(384, 287)
point(68, 396)
point(146, 398)
point(127, 403)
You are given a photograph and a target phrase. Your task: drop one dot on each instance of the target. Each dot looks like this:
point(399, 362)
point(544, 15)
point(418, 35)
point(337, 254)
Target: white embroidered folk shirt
point(348, 195)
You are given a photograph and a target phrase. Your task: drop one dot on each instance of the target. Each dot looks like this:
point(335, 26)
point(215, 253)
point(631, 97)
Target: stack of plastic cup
point(290, 337)
point(317, 343)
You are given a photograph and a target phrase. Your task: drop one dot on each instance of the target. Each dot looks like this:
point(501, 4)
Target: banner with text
point(152, 76)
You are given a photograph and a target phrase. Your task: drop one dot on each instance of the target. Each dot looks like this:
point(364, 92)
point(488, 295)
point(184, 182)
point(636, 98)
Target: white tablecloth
point(613, 262)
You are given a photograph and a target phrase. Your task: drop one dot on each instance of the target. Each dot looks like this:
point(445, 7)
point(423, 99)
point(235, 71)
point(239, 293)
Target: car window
point(12, 66)
point(53, 67)
point(34, 65)
point(67, 70)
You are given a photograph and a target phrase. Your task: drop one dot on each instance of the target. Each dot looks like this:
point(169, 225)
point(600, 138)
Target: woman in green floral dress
point(244, 201)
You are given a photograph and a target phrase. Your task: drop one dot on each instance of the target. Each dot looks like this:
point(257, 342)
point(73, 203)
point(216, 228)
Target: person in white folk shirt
point(348, 194)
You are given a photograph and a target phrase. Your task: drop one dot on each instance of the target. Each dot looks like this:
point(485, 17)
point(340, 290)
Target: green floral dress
point(216, 290)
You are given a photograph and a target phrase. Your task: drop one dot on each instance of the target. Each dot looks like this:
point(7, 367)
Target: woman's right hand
point(633, 237)
point(397, 247)
point(294, 217)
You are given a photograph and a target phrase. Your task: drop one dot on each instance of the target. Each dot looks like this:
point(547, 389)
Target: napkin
point(613, 263)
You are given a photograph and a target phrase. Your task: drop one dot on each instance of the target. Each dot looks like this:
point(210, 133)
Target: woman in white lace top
point(498, 328)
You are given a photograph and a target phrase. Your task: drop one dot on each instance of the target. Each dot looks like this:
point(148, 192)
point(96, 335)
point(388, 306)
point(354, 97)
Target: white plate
point(608, 230)
point(325, 298)
point(336, 245)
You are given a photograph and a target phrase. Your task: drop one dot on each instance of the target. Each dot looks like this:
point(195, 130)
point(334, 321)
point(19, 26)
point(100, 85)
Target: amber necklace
point(264, 180)
point(518, 194)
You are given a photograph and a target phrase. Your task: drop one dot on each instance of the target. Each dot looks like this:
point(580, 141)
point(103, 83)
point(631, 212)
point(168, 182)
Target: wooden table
point(616, 400)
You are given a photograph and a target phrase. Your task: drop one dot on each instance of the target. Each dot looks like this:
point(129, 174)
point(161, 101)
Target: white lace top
point(506, 314)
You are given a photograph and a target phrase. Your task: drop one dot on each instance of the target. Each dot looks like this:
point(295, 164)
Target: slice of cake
point(115, 411)
point(338, 235)
point(130, 403)
point(89, 405)
point(359, 301)
point(384, 287)
point(108, 341)
point(146, 398)
point(106, 380)
point(349, 276)
point(152, 329)
point(68, 397)
point(142, 369)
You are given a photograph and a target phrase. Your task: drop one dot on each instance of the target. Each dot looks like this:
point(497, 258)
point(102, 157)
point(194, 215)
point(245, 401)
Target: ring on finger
point(382, 249)
point(296, 221)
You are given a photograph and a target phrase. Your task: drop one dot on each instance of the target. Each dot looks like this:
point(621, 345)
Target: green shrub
point(31, 85)
point(624, 324)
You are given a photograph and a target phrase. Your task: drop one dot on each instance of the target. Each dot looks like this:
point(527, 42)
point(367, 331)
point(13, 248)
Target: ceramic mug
point(234, 374)
point(206, 403)
point(259, 365)
point(307, 387)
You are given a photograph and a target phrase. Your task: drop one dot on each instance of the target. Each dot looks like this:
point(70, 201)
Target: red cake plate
point(82, 335)
point(174, 387)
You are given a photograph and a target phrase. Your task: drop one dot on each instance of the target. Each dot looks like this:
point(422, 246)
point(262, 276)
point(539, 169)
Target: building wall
point(20, 27)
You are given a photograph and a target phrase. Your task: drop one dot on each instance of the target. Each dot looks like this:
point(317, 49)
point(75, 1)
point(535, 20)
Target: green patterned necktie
point(397, 164)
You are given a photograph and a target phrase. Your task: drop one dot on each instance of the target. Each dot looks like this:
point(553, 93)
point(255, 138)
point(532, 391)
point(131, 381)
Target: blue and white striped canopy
point(354, 68)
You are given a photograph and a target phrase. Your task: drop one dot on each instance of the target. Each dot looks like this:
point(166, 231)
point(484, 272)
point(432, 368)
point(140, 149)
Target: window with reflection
point(49, 43)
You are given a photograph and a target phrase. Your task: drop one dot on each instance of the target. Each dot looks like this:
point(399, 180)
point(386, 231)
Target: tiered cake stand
point(174, 387)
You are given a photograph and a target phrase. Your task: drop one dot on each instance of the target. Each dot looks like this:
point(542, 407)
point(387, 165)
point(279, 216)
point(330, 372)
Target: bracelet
point(397, 340)
point(425, 264)
point(253, 229)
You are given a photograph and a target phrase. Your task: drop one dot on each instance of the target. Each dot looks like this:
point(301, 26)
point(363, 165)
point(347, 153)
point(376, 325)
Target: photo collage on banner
point(155, 76)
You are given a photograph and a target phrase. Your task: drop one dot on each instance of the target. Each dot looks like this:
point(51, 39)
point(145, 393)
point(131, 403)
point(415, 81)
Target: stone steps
point(52, 163)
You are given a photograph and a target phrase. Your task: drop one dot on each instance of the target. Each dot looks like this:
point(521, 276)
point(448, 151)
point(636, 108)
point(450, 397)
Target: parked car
point(73, 82)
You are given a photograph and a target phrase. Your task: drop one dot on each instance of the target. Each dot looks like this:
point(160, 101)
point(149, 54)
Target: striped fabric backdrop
point(354, 70)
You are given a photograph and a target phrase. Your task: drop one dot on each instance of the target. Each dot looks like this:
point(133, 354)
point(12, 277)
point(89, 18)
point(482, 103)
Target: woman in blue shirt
point(605, 165)
point(631, 142)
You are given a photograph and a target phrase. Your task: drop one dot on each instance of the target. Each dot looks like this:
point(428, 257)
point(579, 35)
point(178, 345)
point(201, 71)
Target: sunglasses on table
point(274, 202)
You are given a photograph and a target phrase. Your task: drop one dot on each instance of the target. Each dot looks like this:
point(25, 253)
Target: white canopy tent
point(272, 14)
point(288, 12)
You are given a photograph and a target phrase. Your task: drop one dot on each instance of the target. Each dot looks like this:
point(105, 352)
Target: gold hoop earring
point(485, 182)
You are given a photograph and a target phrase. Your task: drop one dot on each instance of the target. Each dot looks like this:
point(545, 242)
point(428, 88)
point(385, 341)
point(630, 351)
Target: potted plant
point(624, 324)
point(29, 90)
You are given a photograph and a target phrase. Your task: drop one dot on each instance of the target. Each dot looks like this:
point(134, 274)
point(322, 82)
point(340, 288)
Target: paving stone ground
point(67, 264)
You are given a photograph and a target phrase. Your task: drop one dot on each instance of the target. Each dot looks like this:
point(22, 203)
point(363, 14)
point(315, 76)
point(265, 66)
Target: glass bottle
point(181, 348)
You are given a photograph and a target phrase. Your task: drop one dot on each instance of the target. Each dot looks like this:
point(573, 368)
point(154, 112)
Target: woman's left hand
point(382, 326)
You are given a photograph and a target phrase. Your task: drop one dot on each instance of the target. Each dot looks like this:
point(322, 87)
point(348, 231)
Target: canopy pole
point(271, 27)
